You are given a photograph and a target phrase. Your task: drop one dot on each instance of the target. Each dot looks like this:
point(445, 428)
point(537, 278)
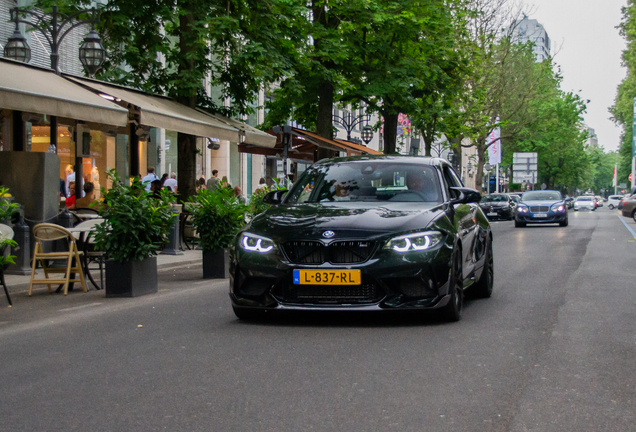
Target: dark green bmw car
point(365, 233)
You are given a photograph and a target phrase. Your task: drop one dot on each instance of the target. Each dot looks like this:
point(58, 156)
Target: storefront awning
point(352, 149)
point(304, 144)
point(37, 90)
point(251, 135)
point(163, 112)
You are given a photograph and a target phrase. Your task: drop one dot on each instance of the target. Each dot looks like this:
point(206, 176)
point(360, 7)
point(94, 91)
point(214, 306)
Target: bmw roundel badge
point(328, 234)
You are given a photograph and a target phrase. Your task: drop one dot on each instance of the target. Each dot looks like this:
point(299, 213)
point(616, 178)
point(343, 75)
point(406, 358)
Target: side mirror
point(464, 196)
point(274, 197)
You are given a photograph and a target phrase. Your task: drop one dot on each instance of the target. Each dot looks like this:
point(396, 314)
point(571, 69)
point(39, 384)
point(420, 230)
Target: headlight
point(255, 243)
point(558, 208)
point(522, 209)
point(414, 242)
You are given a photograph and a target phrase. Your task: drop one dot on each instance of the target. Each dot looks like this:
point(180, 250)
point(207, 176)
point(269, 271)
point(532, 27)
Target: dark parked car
point(365, 233)
point(498, 206)
point(541, 207)
point(569, 202)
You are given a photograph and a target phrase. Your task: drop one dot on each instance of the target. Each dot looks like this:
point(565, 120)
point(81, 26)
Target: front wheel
point(453, 310)
point(564, 223)
point(483, 287)
point(519, 224)
point(611, 206)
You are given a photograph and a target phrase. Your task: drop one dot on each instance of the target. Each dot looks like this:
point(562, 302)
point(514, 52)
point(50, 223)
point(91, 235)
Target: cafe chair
point(90, 253)
point(5, 233)
point(46, 232)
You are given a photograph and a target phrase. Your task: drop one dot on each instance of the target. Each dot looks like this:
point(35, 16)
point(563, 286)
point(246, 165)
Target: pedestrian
point(262, 184)
point(201, 184)
point(172, 182)
point(164, 177)
point(238, 194)
point(225, 183)
point(150, 177)
point(213, 182)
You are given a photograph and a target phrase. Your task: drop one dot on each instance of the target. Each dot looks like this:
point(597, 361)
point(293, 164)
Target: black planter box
point(131, 278)
point(216, 265)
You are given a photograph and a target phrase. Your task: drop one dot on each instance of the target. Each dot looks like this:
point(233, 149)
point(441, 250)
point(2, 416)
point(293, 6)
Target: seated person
point(88, 199)
point(70, 201)
point(342, 193)
point(417, 183)
point(155, 188)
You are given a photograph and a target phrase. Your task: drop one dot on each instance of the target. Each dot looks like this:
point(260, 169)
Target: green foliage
point(623, 108)
point(136, 223)
point(217, 215)
point(257, 205)
point(7, 208)
point(8, 258)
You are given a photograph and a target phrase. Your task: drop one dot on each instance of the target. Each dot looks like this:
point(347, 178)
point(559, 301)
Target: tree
point(623, 108)
point(173, 47)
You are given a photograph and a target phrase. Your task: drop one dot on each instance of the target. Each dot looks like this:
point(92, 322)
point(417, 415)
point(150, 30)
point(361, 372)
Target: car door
point(464, 220)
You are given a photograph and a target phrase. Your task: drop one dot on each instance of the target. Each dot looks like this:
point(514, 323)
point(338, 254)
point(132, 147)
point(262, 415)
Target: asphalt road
point(554, 349)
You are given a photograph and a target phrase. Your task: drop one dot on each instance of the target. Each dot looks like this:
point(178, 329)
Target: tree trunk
point(324, 121)
point(479, 175)
point(390, 132)
point(187, 144)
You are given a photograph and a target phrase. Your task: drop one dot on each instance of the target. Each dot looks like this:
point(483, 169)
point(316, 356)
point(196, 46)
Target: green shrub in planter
point(217, 215)
point(7, 208)
point(136, 223)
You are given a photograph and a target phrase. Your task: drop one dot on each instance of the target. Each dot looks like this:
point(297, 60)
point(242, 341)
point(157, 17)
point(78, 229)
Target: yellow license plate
point(327, 277)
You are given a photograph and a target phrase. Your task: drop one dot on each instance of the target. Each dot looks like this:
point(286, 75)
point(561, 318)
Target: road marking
point(627, 226)
point(79, 307)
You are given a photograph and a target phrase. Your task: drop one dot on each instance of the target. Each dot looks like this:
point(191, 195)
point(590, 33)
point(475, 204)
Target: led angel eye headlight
point(414, 242)
point(255, 243)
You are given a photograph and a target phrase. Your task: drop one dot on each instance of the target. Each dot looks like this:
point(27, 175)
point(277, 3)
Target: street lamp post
point(348, 122)
point(55, 27)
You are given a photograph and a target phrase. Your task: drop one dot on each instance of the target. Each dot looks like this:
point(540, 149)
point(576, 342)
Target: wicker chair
point(46, 232)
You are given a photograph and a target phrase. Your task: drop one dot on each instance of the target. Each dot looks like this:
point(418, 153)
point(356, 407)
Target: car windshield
point(585, 198)
point(494, 198)
point(541, 196)
point(367, 181)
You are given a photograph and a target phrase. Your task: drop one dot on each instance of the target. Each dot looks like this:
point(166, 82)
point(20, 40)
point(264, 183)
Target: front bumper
point(497, 212)
point(552, 217)
point(390, 281)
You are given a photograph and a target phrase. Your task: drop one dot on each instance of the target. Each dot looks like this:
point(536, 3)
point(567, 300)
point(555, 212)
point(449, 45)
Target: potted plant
point(136, 224)
point(217, 215)
point(7, 209)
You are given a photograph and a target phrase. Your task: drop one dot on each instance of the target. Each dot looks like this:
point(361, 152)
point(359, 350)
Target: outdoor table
point(87, 216)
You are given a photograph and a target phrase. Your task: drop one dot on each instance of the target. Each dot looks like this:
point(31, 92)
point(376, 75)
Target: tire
point(564, 223)
point(519, 224)
point(634, 216)
point(611, 206)
point(483, 287)
point(247, 314)
point(452, 312)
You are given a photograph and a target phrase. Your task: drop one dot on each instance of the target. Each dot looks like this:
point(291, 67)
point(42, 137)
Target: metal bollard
point(172, 248)
point(22, 251)
point(65, 219)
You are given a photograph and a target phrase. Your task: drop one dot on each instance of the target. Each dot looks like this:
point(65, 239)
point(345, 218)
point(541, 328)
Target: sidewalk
point(190, 258)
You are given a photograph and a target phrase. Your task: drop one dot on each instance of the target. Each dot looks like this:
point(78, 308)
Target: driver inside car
point(416, 183)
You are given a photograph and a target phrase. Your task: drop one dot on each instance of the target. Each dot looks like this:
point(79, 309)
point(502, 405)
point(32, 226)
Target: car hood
point(346, 220)
point(493, 204)
point(541, 203)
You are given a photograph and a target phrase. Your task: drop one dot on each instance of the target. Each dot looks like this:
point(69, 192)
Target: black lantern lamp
point(367, 134)
point(92, 53)
point(17, 47)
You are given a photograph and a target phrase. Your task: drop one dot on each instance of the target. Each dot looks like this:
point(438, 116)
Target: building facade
point(530, 30)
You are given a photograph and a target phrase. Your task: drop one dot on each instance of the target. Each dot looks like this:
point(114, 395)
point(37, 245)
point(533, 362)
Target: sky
point(587, 46)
